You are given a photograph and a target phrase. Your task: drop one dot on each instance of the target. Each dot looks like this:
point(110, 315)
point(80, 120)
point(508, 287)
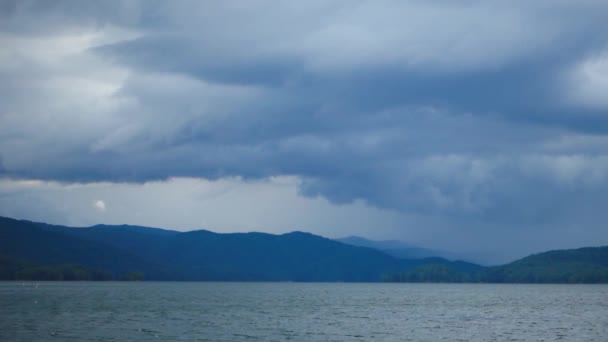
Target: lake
point(146, 311)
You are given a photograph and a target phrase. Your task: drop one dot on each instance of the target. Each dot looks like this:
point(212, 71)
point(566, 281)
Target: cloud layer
point(474, 113)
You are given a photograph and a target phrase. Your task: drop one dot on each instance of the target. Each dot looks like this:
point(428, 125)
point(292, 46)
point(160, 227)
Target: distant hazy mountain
point(396, 248)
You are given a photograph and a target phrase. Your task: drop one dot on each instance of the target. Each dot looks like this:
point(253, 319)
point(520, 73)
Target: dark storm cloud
point(473, 110)
point(42, 18)
point(173, 53)
point(523, 89)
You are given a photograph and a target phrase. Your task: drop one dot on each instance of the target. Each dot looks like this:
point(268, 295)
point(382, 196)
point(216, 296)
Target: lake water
point(92, 311)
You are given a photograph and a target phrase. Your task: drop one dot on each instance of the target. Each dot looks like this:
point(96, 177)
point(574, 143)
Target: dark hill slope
point(583, 265)
point(29, 241)
point(295, 256)
point(587, 265)
point(197, 255)
point(204, 255)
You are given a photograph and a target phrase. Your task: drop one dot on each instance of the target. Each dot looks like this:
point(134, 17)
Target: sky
point(477, 127)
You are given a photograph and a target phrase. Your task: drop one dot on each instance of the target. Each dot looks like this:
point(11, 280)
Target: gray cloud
point(476, 113)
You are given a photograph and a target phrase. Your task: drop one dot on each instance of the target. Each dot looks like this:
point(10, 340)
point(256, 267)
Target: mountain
point(30, 250)
point(31, 242)
point(396, 248)
point(583, 265)
point(197, 255)
point(587, 265)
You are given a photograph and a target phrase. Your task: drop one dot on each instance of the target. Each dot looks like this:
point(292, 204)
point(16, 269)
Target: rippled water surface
point(147, 311)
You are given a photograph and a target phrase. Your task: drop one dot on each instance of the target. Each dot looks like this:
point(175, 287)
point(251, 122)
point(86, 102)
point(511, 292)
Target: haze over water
point(92, 311)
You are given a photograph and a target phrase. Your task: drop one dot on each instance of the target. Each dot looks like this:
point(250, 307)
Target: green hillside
point(584, 265)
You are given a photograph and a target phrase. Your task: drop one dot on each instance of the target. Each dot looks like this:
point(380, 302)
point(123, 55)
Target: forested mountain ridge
point(582, 265)
point(41, 245)
point(30, 250)
point(587, 265)
point(196, 255)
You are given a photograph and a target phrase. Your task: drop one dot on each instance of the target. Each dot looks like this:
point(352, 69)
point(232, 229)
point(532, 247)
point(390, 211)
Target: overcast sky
point(479, 127)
